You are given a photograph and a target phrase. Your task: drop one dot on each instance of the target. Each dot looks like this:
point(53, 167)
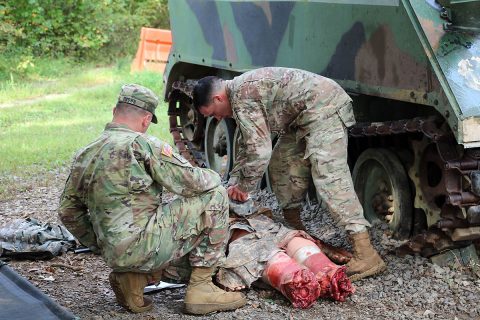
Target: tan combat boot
point(203, 296)
point(128, 288)
point(154, 277)
point(292, 217)
point(366, 261)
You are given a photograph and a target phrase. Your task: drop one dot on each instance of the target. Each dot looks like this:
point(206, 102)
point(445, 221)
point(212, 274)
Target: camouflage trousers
point(321, 154)
point(196, 226)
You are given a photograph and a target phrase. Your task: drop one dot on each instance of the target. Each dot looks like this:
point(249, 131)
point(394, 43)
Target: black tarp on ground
point(20, 300)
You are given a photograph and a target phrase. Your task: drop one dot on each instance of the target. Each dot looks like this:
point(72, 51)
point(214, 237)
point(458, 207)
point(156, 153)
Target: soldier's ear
point(216, 98)
point(146, 120)
point(222, 97)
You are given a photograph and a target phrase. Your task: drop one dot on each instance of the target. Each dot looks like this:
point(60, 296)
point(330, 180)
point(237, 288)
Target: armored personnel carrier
point(412, 68)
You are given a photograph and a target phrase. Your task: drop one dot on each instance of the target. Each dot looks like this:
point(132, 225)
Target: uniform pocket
point(346, 114)
point(325, 136)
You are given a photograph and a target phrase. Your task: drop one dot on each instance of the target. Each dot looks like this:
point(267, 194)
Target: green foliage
point(81, 29)
point(15, 70)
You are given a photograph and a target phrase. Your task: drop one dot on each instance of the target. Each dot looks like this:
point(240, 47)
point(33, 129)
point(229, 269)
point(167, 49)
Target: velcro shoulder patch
point(180, 158)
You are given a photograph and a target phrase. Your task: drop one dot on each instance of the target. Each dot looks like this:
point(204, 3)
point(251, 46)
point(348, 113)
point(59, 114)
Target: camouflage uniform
point(249, 254)
point(113, 201)
point(28, 239)
point(309, 114)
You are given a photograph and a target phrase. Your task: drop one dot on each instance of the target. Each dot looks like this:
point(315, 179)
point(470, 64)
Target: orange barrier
point(153, 49)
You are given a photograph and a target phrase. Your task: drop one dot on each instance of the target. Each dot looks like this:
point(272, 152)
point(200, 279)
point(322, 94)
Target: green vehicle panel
point(393, 49)
point(398, 59)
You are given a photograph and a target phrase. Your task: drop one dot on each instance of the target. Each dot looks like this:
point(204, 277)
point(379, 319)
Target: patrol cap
point(140, 97)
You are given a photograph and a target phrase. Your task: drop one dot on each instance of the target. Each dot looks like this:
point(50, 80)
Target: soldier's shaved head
point(129, 110)
point(204, 90)
point(135, 118)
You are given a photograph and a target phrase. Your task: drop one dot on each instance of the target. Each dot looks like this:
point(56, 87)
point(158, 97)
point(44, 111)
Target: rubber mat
point(21, 300)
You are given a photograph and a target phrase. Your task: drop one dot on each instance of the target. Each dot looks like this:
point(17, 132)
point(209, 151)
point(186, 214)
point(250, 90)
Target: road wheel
point(383, 188)
point(191, 121)
point(218, 145)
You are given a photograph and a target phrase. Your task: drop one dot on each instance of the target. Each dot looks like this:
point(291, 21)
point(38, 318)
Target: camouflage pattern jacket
point(28, 239)
point(115, 187)
point(272, 101)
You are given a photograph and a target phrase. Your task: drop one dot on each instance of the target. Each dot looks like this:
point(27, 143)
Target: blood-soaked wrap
point(294, 281)
point(331, 277)
point(340, 285)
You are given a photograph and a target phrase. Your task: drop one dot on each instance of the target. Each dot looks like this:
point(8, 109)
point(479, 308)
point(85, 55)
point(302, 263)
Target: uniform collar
point(229, 90)
point(113, 125)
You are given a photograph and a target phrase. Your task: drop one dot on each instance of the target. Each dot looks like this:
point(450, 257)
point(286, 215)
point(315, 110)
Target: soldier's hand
point(236, 194)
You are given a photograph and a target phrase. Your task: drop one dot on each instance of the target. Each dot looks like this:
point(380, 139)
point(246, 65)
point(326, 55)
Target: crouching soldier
point(112, 203)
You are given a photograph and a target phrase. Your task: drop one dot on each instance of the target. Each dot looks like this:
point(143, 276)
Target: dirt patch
point(411, 288)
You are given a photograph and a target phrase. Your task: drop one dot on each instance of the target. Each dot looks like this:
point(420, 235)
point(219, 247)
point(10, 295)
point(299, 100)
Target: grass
point(59, 77)
point(41, 135)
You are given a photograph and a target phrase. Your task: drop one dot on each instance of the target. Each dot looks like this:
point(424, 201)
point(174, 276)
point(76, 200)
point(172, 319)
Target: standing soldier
point(112, 203)
point(309, 114)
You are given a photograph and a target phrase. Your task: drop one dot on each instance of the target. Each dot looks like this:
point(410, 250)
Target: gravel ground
point(411, 288)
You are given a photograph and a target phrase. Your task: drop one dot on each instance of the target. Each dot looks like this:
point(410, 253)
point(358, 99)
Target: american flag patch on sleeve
point(167, 150)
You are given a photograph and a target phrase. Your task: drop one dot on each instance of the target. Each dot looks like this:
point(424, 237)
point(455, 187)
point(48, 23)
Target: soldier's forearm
point(78, 223)
point(248, 184)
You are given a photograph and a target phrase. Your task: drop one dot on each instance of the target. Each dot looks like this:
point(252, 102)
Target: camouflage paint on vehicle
point(411, 67)
point(396, 49)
